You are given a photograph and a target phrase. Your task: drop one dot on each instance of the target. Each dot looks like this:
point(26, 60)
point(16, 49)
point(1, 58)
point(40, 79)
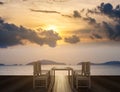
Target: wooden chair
point(40, 78)
point(83, 77)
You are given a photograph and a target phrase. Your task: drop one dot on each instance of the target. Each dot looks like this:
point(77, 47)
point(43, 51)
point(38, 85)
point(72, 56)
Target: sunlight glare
point(52, 27)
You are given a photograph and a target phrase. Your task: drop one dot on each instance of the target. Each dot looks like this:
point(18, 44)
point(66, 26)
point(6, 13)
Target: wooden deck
point(25, 84)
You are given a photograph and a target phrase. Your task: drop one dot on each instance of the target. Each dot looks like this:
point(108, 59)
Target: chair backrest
point(37, 68)
point(83, 68)
point(86, 68)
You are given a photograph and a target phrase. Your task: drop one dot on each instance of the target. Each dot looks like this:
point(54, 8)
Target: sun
point(51, 27)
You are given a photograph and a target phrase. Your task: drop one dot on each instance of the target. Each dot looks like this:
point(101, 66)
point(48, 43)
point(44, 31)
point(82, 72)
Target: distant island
point(47, 62)
point(112, 63)
point(50, 62)
point(11, 64)
point(106, 63)
point(2, 64)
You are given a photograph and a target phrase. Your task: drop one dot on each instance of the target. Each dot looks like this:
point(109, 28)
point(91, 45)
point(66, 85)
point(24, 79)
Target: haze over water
point(28, 70)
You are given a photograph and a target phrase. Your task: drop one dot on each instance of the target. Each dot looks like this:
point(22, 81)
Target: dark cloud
point(82, 10)
point(108, 29)
point(112, 31)
point(90, 20)
point(66, 15)
point(1, 3)
point(76, 14)
point(107, 9)
point(45, 11)
point(117, 33)
point(11, 35)
point(89, 11)
point(102, 29)
point(50, 37)
point(73, 39)
point(97, 36)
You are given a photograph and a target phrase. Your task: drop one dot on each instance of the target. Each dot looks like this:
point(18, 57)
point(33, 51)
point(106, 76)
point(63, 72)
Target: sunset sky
point(68, 31)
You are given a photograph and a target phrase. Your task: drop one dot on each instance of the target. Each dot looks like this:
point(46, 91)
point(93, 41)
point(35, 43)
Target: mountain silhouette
point(47, 62)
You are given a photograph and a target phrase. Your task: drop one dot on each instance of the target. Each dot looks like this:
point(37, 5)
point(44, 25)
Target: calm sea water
point(28, 70)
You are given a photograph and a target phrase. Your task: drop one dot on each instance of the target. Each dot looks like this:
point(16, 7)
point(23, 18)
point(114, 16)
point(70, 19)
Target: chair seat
point(44, 72)
point(82, 77)
point(40, 77)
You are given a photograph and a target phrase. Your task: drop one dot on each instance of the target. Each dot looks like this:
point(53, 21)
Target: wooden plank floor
point(62, 84)
point(24, 84)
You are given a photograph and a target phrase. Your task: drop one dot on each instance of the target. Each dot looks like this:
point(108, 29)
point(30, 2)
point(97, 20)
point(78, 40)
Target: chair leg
point(33, 83)
point(76, 83)
point(89, 83)
point(46, 83)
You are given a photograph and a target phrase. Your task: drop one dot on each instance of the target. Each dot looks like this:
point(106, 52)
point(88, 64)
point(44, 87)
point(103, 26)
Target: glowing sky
point(60, 30)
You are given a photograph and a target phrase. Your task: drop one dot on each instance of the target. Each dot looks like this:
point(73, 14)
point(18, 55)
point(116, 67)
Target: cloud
point(97, 36)
point(107, 9)
point(102, 29)
point(82, 10)
point(69, 16)
point(73, 39)
point(24, 0)
point(90, 20)
point(87, 18)
point(45, 11)
point(1, 3)
point(50, 37)
point(107, 29)
point(113, 31)
point(76, 14)
point(11, 35)
point(117, 32)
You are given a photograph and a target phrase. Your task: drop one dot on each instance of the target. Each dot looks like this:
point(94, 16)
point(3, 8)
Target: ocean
point(28, 69)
